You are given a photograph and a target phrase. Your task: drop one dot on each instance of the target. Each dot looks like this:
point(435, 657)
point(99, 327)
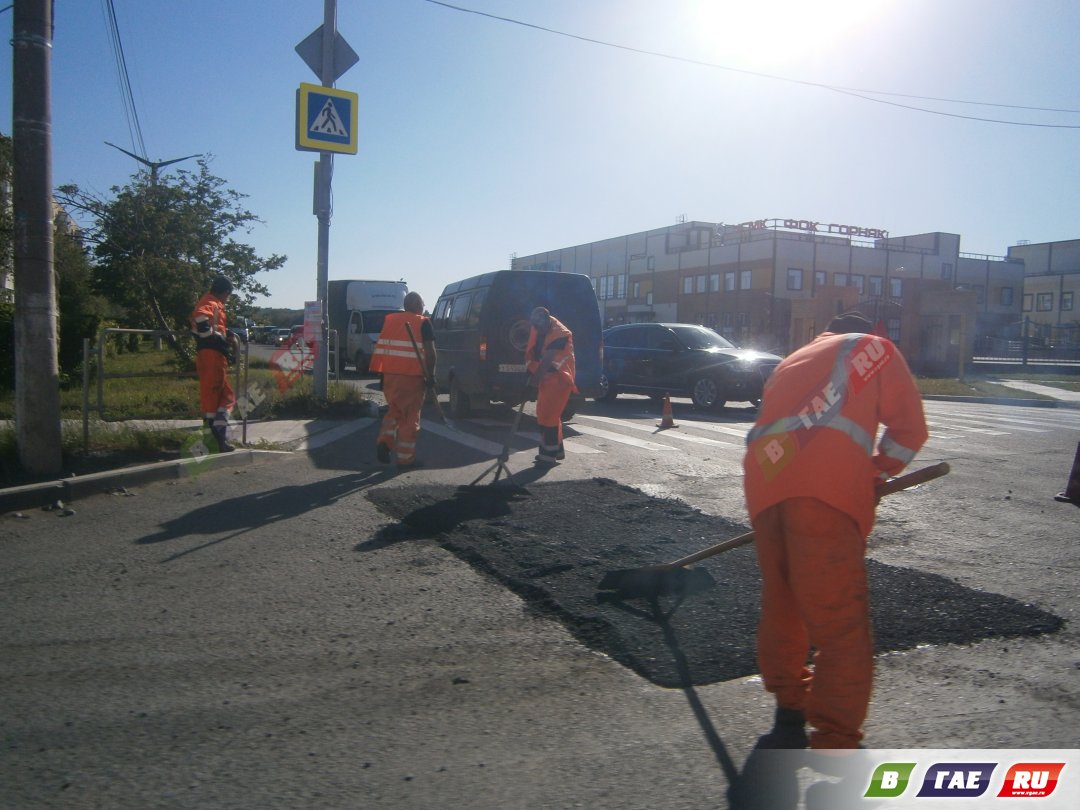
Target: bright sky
point(480, 138)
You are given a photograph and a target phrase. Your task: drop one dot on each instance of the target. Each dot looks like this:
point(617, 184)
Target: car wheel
point(705, 393)
point(460, 405)
point(608, 392)
point(361, 363)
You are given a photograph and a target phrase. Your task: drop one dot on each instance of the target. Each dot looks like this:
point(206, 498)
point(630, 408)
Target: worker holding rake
point(405, 356)
point(811, 472)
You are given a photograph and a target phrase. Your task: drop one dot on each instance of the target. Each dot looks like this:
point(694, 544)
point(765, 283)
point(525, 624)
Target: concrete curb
point(32, 496)
point(1027, 403)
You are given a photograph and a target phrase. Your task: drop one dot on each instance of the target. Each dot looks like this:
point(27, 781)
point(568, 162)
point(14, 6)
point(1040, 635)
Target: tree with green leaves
point(158, 242)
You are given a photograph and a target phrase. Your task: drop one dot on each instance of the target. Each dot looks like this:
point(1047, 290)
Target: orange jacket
point(563, 362)
point(394, 352)
point(208, 324)
point(819, 417)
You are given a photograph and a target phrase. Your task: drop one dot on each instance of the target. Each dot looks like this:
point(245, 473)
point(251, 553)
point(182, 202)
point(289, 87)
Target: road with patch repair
point(285, 634)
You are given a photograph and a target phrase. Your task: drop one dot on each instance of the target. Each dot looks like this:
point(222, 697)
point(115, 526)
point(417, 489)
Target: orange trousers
point(551, 397)
point(815, 595)
point(401, 423)
point(215, 393)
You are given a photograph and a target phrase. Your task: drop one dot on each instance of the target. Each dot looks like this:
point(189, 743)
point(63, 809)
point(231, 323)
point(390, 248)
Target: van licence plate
point(511, 367)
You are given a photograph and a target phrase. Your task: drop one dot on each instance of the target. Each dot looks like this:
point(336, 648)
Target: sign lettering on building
point(810, 226)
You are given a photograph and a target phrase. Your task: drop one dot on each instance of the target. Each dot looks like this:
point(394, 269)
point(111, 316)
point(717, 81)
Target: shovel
point(674, 578)
point(429, 381)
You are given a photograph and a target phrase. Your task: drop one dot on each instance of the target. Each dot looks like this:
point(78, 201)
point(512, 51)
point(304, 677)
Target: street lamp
point(153, 164)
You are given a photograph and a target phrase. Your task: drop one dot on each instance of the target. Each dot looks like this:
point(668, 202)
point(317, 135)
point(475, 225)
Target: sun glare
point(761, 34)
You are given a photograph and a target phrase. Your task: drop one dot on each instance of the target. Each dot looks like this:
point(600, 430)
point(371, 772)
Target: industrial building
point(773, 284)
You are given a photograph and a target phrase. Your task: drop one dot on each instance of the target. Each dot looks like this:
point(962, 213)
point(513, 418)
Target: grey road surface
point(235, 639)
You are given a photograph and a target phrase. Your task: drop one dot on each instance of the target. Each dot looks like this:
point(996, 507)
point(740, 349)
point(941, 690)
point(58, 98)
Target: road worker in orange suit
point(811, 470)
point(549, 359)
point(405, 379)
point(214, 345)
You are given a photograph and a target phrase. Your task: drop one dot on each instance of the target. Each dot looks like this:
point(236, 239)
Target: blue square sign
point(326, 119)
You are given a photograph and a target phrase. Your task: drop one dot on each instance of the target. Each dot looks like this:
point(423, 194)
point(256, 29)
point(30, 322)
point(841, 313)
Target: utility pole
point(330, 127)
point(324, 179)
point(37, 372)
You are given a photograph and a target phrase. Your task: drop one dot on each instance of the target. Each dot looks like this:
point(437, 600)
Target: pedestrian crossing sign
point(325, 119)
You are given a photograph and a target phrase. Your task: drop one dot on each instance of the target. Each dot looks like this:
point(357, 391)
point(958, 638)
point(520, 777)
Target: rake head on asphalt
point(650, 583)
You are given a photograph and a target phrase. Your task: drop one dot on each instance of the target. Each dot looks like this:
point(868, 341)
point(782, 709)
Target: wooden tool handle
point(889, 487)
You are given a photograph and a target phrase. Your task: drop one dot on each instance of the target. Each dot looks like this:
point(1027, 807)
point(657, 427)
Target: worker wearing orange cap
point(405, 356)
point(549, 359)
point(811, 469)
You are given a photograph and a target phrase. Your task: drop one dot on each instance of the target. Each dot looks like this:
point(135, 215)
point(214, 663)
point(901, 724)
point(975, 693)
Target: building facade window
point(819, 279)
point(876, 285)
point(1044, 302)
point(714, 282)
point(688, 285)
point(857, 282)
point(1066, 302)
point(1005, 297)
point(635, 290)
point(1027, 302)
point(794, 278)
point(729, 281)
point(896, 288)
point(702, 282)
point(744, 279)
point(840, 279)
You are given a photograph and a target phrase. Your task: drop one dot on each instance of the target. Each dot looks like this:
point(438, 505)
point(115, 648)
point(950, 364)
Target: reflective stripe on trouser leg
point(814, 593)
point(550, 441)
point(404, 398)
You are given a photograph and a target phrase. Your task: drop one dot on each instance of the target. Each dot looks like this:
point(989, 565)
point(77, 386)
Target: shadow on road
point(237, 516)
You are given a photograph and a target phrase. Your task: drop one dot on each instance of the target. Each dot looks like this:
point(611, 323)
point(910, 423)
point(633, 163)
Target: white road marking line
point(621, 439)
point(730, 431)
point(672, 433)
point(332, 435)
point(966, 429)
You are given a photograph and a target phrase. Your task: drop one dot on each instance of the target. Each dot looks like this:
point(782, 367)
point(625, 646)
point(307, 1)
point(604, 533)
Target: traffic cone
point(667, 420)
point(1072, 489)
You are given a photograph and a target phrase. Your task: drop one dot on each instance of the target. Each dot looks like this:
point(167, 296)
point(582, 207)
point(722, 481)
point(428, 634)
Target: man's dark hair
point(221, 286)
point(849, 322)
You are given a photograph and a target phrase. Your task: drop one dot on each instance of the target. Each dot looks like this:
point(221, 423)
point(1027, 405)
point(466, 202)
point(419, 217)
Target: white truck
point(356, 309)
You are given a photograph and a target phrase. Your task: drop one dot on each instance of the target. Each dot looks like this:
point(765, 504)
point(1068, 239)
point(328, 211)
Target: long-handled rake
point(429, 381)
point(674, 578)
point(500, 463)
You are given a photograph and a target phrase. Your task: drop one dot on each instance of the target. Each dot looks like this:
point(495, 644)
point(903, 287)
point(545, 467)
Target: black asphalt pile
point(553, 542)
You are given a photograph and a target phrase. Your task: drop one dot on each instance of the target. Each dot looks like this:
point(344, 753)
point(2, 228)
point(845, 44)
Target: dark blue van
point(482, 327)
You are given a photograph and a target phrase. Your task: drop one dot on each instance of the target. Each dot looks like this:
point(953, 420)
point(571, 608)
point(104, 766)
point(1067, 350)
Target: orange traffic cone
point(1072, 489)
point(667, 420)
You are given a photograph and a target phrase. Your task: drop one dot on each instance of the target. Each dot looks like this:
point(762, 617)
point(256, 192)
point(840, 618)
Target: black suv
point(682, 359)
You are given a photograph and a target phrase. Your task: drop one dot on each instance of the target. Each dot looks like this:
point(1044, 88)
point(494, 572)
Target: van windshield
point(698, 337)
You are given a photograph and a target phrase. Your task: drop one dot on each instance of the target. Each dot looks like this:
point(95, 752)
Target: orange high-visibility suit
point(555, 386)
point(403, 382)
point(208, 324)
point(810, 471)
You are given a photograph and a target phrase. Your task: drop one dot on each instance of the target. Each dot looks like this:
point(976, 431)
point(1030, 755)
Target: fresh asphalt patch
point(552, 542)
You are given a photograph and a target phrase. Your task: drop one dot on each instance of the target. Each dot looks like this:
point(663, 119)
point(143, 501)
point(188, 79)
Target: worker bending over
point(549, 359)
point(811, 470)
point(405, 356)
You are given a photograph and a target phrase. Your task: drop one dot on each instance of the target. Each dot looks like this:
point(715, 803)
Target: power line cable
point(124, 78)
point(851, 91)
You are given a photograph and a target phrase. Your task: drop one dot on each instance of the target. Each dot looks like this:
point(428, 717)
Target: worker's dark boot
point(219, 430)
point(788, 731)
point(382, 452)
